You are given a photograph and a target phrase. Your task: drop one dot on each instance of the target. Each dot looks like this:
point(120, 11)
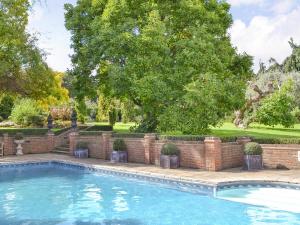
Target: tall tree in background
point(22, 66)
point(172, 59)
point(270, 81)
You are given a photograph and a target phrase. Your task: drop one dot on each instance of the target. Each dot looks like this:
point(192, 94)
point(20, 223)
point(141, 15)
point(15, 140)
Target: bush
point(19, 136)
point(119, 145)
point(26, 112)
point(170, 149)
point(253, 148)
point(82, 145)
point(100, 128)
point(6, 105)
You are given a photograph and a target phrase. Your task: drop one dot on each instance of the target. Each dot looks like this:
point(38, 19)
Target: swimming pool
point(51, 193)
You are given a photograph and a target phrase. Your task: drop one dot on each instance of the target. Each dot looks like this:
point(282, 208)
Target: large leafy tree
point(267, 90)
point(172, 59)
point(22, 66)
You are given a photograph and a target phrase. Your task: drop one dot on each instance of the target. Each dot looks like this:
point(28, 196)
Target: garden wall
point(210, 154)
point(281, 156)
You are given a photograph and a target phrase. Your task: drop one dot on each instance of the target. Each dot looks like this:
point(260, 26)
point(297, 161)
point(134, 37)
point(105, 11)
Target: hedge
point(181, 137)
point(24, 131)
point(276, 140)
point(100, 128)
point(87, 133)
point(128, 135)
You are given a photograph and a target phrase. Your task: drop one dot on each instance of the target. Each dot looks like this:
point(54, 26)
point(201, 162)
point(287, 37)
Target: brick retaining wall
point(211, 154)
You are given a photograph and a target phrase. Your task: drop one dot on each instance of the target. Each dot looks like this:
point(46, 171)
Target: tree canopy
point(173, 59)
point(22, 66)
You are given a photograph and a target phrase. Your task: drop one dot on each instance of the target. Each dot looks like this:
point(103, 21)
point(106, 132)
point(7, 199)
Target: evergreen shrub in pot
point(119, 153)
point(253, 156)
point(82, 150)
point(169, 157)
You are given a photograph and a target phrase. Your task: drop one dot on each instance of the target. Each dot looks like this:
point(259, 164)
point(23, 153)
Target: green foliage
point(119, 145)
point(166, 57)
point(25, 131)
point(26, 112)
point(82, 145)
point(6, 105)
point(181, 137)
point(129, 135)
point(22, 66)
point(253, 148)
point(170, 149)
point(100, 128)
point(19, 136)
point(277, 108)
point(81, 110)
point(112, 116)
point(261, 140)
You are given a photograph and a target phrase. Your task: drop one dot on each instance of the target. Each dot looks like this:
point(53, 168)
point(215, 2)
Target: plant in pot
point(82, 150)
point(253, 156)
point(19, 140)
point(119, 153)
point(169, 157)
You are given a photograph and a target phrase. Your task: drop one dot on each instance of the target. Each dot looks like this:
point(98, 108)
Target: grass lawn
point(228, 129)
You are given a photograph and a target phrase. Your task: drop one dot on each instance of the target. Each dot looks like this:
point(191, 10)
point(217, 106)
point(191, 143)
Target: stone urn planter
point(169, 158)
point(82, 150)
point(119, 153)
point(253, 156)
point(19, 141)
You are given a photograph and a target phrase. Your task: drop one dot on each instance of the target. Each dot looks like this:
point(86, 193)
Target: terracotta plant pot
point(169, 161)
point(253, 162)
point(119, 157)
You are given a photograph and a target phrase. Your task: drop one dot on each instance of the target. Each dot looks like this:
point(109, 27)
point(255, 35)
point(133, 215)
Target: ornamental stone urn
point(253, 156)
point(19, 141)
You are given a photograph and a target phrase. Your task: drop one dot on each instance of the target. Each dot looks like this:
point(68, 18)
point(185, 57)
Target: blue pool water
point(51, 194)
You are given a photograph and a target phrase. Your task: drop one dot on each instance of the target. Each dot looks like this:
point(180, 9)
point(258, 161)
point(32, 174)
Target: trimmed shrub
point(253, 148)
point(81, 145)
point(19, 136)
point(6, 105)
point(26, 112)
point(169, 149)
point(100, 128)
point(119, 145)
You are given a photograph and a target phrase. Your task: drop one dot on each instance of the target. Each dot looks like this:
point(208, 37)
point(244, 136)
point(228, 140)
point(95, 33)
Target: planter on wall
point(19, 147)
point(81, 153)
point(169, 161)
point(119, 157)
point(253, 162)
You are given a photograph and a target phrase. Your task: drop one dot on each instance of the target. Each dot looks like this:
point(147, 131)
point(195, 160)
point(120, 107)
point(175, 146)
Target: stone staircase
point(64, 148)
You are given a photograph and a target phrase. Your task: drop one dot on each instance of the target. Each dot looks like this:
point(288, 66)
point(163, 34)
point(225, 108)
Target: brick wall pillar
point(9, 147)
point(50, 141)
point(72, 139)
point(106, 138)
point(149, 146)
point(213, 153)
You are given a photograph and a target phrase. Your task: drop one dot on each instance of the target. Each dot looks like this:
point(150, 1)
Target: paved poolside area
point(195, 175)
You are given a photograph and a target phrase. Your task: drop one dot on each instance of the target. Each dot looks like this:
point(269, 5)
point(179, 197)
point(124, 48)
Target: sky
point(261, 28)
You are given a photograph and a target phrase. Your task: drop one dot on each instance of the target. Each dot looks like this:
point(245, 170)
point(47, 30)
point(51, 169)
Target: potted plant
point(169, 157)
point(119, 153)
point(253, 156)
point(19, 140)
point(82, 150)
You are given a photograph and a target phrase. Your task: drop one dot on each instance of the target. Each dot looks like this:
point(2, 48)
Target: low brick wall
point(232, 155)
point(192, 153)
point(281, 156)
